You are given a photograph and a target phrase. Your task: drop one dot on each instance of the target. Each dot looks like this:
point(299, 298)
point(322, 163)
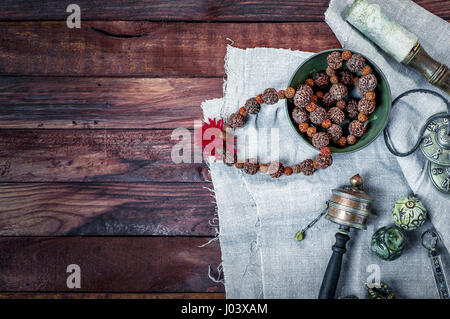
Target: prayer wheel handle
point(331, 277)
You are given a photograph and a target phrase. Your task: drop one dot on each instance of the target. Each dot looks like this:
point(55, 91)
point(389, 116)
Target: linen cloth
point(259, 216)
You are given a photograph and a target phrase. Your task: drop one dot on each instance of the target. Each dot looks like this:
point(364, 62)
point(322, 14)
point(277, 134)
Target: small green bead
point(299, 236)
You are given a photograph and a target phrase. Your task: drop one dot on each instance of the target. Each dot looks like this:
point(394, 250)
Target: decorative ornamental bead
point(307, 167)
point(362, 117)
point(243, 111)
point(335, 132)
point(336, 115)
point(259, 99)
point(352, 109)
point(253, 107)
point(275, 169)
point(321, 79)
point(351, 139)
point(357, 128)
point(309, 82)
point(356, 63)
point(342, 141)
point(303, 127)
point(296, 168)
point(328, 99)
point(341, 104)
point(251, 166)
point(366, 70)
point(239, 164)
point(290, 92)
point(346, 77)
point(338, 91)
point(366, 107)
point(334, 79)
point(326, 124)
point(263, 168)
point(236, 120)
point(300, 115)
point(311, 107)
point(388, 243)
point(320, 140)
point(409, 213)
point(281, 94)
point(323, 162)
point(334, 60)
point(346, 55)
point(368, 83)
point(311, 131)
point(319, 94)
point(303, 95)
point(318, 116)
point(325, 151)
point(370, 96)
point(270, 96)
point(288, 171)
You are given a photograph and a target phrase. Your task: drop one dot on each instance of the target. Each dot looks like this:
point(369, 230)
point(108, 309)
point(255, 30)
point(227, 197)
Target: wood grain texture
point(124, 48)
point(46, 102)
point(67, 295)
point(95, 155)
point(106, 209)
point(185, 10)
point(108, 264)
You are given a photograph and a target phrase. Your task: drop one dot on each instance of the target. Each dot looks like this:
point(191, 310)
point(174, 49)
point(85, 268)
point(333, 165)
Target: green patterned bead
point(388, 243)
point(409, 213)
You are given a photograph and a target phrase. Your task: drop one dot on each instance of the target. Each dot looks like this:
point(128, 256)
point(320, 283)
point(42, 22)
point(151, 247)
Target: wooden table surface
point(86, 117)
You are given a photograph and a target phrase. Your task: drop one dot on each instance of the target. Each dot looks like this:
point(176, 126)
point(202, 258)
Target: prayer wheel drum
point(350, 206)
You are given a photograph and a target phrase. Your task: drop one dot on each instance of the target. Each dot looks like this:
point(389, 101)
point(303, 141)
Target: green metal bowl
point(377, 121)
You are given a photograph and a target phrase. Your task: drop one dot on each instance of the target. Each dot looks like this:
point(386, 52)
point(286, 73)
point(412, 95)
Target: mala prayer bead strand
point(318, 110)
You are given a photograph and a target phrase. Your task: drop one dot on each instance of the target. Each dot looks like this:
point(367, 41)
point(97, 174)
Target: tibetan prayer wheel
point(349, 208)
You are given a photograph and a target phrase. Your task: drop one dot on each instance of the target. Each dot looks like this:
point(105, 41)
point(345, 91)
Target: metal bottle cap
point(350, 205)
point(436, 144)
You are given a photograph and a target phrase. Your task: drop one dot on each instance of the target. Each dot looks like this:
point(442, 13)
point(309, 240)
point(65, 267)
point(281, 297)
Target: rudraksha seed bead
point(347, 55)
point(251, 166)
point(325, 151)
point(275, 169)
point(342, 141)
point(338, 91)
point(253, 107)
point(351, 139)
point(334, 60)
point(366, 107)
point(318, 116)
point(323, 162)
point(288, 171)
point(236, 120)
point(303, 95)
point(335, 132)
point(321, 79)
point(341, 104)
point(320, 140)
point(307, 167)
point(239, 164)
point(263, 168)
point(296, 168)
point(368, 83)
point(357, 128)
point(362, 117)
point(352, 109)
point(346, 77)
point(336, 115)
point(289, 92)
point(356, 63)
point(270, 96)
point(281, 94)
point(328, 99)
point(311, 131)
point(300, 115)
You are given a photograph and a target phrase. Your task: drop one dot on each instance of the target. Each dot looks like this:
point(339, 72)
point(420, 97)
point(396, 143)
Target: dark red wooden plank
point(48, 102)
point(49, 209)
point(108, 264)
point(121, 48)
point(187, 10)
point(94, 155)
point(93, 295)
